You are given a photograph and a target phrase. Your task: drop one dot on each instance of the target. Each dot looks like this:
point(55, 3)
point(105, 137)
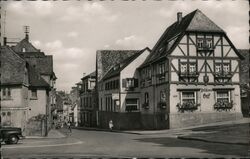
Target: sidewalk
point(53, 134)
point(228, 132)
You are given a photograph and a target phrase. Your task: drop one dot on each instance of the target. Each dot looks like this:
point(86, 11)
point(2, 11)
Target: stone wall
point(181, 120)
point(121, 121)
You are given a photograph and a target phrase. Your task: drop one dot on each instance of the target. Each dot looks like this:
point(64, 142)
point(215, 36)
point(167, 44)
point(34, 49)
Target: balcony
point(188, 106)
point(223, 105)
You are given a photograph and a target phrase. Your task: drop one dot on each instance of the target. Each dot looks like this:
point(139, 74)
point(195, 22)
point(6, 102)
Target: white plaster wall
point(37, 106)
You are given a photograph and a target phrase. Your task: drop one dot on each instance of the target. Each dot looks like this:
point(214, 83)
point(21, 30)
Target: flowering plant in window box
point(162, 105)
point(145, 105)
point(223, 105)
point(187, 106)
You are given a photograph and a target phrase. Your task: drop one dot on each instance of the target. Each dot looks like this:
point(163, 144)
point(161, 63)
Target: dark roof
point(35, 80)
point(25, 44)
point(245, 66)
point(116, 69)
point(93, 75)
point(194, 21)
point(105, 59)
point(12, 67)
point(44, 65)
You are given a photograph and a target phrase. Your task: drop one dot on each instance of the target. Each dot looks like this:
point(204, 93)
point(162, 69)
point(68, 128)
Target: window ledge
point(7, 98)
point(33, 98)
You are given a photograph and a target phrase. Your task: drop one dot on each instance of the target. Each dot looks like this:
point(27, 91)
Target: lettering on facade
point(206, 95)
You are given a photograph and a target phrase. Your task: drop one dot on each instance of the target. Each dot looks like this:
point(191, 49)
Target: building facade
point(119, 93)
point(88, 103)
point(192, 75)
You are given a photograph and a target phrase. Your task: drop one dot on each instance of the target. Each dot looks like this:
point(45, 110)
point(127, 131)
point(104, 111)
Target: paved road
point(94, 144)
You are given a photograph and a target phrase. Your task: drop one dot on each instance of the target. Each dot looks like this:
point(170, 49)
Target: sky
point(72, 31)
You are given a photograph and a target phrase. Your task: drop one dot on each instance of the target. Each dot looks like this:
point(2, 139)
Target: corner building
point(191, 77)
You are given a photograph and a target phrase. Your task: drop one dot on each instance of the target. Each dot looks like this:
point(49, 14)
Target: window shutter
point(136, 82)
point(124, 83)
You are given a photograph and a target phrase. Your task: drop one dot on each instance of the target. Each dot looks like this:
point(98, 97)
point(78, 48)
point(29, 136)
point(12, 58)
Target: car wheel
point(13, 139)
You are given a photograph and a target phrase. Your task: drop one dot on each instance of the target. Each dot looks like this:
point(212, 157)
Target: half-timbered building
point(191, 77)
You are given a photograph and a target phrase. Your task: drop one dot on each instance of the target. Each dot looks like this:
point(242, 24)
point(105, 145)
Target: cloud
point(36, 43)
point(130, 42)
point(72, 34)
point(38, 8)
point(88, 12)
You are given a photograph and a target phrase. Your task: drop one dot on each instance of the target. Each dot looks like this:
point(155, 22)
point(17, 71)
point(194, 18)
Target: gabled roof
point(43, 63)
point(35, 80)
point(195, 21)
point(105, 59)
point(93, 75)
point(116, 69)
point(12, 67)
point(24, 44)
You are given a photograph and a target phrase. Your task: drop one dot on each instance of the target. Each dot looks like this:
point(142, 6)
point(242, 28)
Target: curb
point(105, 130)
point(211, 141)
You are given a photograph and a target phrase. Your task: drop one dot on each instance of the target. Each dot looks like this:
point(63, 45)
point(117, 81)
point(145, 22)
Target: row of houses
point(27, 87)
point(192, 76)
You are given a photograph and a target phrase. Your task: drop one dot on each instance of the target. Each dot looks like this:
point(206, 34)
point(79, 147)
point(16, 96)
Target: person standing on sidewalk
point(69, 126)
point(111, 125)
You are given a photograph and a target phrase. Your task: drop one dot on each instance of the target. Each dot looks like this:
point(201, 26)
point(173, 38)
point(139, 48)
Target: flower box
point(189, 106)
point(162, 105)
point(223, 105)
point(145, 105)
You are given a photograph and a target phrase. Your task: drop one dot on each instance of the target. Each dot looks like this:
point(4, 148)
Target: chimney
point(179, 17)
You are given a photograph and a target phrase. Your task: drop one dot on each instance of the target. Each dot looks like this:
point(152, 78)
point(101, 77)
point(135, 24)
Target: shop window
point(131, 105)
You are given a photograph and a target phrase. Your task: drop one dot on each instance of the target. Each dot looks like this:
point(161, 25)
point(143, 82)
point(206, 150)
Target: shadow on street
point(220, 149)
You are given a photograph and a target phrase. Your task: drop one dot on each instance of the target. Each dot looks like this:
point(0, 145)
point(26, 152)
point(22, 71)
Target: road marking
point(66, 144)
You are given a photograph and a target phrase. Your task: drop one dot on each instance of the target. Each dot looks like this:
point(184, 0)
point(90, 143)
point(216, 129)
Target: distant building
point(119, 93)
point(88, 101)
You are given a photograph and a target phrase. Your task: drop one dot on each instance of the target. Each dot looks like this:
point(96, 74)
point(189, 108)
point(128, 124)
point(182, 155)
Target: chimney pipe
point(4, 41)
point(179, 17)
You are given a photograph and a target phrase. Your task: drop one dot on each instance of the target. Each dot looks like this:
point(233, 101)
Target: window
point(223, 96)
point(183, 67)
point(129, 83)
point(226, 68)
point(204, 43)
point(131, 104)
point(33, 93)
point(188, 97)
point(23, 49)
point(162, 68)
point(146, 97)
point(6, 93)
point(162, 96)
point(218, 68)
point(192, 68)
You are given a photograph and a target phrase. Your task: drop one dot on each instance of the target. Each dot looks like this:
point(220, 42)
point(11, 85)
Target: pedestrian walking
point(69, 126)
point(111, 125)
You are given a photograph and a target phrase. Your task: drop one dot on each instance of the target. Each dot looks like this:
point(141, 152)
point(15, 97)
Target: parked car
point(10, 135)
